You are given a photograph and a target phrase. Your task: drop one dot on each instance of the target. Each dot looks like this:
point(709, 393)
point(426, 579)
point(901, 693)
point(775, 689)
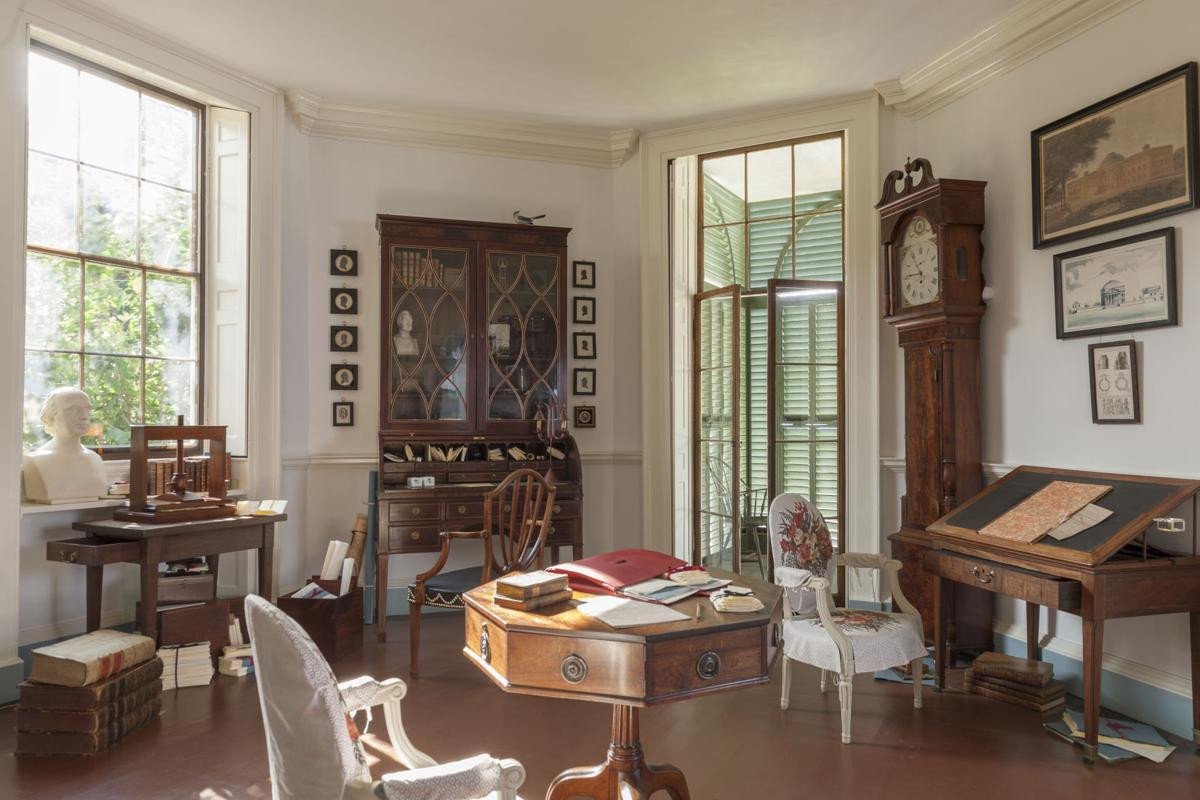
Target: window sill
point(109, 502)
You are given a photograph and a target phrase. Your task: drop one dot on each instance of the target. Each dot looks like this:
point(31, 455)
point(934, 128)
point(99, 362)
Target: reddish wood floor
point(737, 746)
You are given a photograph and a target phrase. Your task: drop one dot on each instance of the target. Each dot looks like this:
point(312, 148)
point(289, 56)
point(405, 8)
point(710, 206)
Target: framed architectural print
point(585, 416)
point(1124, 160)
point(343, 414)
point(343, 338)
point(583, 310)
point(583, 274)
point(1116, 395)
point(343, 301)
point(1123, 285)
point(583, 344)
point(583, 380)
point(343, 377)
point(343, 262)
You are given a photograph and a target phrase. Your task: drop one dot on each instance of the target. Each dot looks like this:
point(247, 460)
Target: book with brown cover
point(1049, 691)
point(86, 744)
point(525, 585)
point(52, 720)
point(91, 657)
point(1010, 668)
point(85, 698)
point(534, 602)
point(1012, 697)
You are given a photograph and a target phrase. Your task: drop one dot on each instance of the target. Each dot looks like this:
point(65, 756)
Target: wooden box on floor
point(336, 625)
point(203, 622)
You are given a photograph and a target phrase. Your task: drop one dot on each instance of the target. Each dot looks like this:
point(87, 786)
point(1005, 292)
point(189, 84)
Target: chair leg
point(786, 680)
point(918, 677)
point(846, 698)
point(824, 681)
point(414, 630)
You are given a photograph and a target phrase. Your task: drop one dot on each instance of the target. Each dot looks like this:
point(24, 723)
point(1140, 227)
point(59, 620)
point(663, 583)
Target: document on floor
point(619, 612)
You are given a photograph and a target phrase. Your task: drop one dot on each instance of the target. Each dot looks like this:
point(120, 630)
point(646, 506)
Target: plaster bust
point(63, 470)
point(404, 342)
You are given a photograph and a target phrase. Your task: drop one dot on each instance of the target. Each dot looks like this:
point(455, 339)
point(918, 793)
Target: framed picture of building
point(1124, 160)
point(1116, 396)
point(1123, 285)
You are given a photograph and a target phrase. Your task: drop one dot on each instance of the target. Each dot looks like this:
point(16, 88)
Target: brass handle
point(708, 665)
point(415, 536)
point(983, 575)
point(416, 512)
point(507, 508)
point(462, 509)
point(574, 669)
point(557, 508)
point(70, 558)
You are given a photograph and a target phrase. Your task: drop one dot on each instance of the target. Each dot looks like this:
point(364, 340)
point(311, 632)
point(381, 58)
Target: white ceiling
point(615, 63)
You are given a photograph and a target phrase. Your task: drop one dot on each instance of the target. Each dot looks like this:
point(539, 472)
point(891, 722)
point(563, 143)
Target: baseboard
point(12, 672)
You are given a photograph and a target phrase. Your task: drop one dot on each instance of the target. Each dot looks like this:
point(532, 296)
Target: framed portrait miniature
point(343, 414)
point(1116, 395)
point(583, 310)
point(343, 338)
point(1126, 159)
point(583, 380)
point(583, 344)
point(583, 274)
point(343, 377)
point(343, 301)
point(1123, 285)
point(585, 416)
point(343, 262)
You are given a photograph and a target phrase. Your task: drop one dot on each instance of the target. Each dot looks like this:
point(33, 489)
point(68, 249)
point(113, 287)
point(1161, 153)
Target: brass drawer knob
point(574, 669)
point(507, 507)
point(415, 536)
point(708, 665)
point(983, 575)
point(416, 512)
point(557, 508)
point(462, 509)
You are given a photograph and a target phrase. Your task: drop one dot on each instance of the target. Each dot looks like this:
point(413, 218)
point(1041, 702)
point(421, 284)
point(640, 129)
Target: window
point(769, 400)
point(113, 288)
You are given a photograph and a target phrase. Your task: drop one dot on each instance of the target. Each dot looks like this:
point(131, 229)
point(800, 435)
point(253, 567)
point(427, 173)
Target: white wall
point(1036, 402)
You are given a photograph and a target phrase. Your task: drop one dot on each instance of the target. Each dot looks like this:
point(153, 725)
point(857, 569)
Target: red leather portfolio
point(608, 572)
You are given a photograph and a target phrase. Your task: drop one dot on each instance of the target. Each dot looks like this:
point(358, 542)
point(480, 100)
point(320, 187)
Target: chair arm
point(898, 598)
point(365, 692)
point(457, 780)
point(447, 537)
point(825, 613)
point(866, 560)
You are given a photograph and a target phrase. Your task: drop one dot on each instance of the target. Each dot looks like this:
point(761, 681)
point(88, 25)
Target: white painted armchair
point(840, 641)
point(312, 741)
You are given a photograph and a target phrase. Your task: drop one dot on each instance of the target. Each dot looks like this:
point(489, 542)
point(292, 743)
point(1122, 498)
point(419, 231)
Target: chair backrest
point(800, 539)
point(311, 750)
point(517, 513)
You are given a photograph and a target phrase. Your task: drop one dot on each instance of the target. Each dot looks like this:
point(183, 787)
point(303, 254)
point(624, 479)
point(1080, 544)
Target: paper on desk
point(1086, 517)
point(619, 612)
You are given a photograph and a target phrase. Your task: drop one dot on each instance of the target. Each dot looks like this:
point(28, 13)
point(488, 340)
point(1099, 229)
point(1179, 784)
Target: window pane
point(769, 183)
point(53, 107)
point(170, 391)
point(819, 247)
point(819, 166)
point(770, 255)
point(52, 196)
point(113, 384)
point(170, 316)
point(113, 310)
point(166, 227)
point(52, 303)
point(724, 256)
point(168, 143)
point(43, 372)
point(108, 124)
point(109, 214)
point(724, 182)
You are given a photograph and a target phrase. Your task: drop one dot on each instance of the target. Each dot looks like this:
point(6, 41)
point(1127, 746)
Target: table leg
point(1093, 652)
point(95, 590)
point(381, 584)
point(625, 774)
point(941, 587)
point(1033, 650)
point(214, 565)
point(577, 551)
point(266, 555)
point(1195, 631)
point(150, 556)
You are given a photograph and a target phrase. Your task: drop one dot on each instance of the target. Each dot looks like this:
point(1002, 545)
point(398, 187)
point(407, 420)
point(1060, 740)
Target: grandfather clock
point(933, 294)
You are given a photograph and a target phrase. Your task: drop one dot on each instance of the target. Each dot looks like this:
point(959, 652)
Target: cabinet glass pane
point(523, 333)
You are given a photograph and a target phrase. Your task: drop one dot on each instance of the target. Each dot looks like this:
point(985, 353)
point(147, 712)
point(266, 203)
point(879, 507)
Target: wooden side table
point(559, 652)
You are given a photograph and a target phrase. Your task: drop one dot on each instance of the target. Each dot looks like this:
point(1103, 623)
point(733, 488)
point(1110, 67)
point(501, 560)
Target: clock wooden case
point(933, 284)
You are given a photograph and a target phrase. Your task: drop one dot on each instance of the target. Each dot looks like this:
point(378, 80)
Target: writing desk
point(113, 542)
point(1108, 571)
point(558, 651)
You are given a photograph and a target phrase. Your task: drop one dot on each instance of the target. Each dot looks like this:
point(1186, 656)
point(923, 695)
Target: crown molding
point(494, 136)
point(1030, 29)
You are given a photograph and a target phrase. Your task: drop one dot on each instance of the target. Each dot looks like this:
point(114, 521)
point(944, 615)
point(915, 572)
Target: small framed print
point(583, 310)
point(1116, 396)
point(343, 414)
point(583, 274)
point(343, 301)
point(343, 377)
point(343, 262)
point(343, 338)
point(583, 379)
point(583, 344)
point(585, 416)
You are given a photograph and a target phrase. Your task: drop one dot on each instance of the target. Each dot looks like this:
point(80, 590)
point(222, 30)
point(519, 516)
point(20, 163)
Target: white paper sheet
point(620, 612)
point(1080, 521)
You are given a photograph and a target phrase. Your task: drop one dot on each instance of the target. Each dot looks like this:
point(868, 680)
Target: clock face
point(920, 277)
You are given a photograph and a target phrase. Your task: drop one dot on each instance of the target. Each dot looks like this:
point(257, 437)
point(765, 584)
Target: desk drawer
point(407, 537)
point(706, 662)
point(1036, 587)
point(414, 512)
point(92, 551)
point(564, 509)
point(464, 509)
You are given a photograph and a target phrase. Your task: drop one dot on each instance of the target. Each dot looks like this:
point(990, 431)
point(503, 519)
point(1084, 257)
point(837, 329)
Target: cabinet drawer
point(464, 509)
point(1036, 587)
point(92, 551)
point(562, 531)
point(707, 662)
point(565, 509)
point(408, 512)
point(483, 476)
point(594, 666)
point(407, 537)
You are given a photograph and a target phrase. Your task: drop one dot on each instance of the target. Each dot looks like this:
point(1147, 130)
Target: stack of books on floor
point(1029, 684)
point(529, 590)
point(87, 693)
point(186, 665)
point(236, 660)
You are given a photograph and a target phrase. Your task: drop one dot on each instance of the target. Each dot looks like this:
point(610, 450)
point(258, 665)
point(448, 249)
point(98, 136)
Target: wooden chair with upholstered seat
point(517, 514)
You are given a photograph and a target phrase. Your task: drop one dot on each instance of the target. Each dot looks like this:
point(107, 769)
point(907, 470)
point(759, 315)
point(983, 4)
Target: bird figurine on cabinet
point(526, 220)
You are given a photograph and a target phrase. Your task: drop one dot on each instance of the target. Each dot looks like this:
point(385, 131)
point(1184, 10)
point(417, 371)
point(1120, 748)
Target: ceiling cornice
point(1030, 29)
point(536, 141)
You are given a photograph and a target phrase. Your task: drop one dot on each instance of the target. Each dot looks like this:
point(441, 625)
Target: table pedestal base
point(625, 775)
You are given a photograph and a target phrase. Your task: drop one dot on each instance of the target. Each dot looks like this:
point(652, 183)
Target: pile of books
point(87, 693)
point(186, 665)
point(236, 660)
point(529, 590)
point(1029, 684)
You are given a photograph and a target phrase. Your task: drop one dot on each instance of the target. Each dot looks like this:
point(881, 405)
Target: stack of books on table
point(527, 591)
point(87, 693)
point(1025, 683)
point(186, 665)
point(236, 660)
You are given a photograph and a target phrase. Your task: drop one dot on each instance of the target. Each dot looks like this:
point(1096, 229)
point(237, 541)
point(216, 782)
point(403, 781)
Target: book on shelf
point(55, 720)
point(87, 744)
point(93, 696)
point(1011, 668)
point(89, 658)
point(539, 601)
point(186, 665)
point(526, 585)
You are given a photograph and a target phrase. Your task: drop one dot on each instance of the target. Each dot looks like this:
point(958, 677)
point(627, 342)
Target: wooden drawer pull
point(708, 665)
point(983, 575)
point(574, 669)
